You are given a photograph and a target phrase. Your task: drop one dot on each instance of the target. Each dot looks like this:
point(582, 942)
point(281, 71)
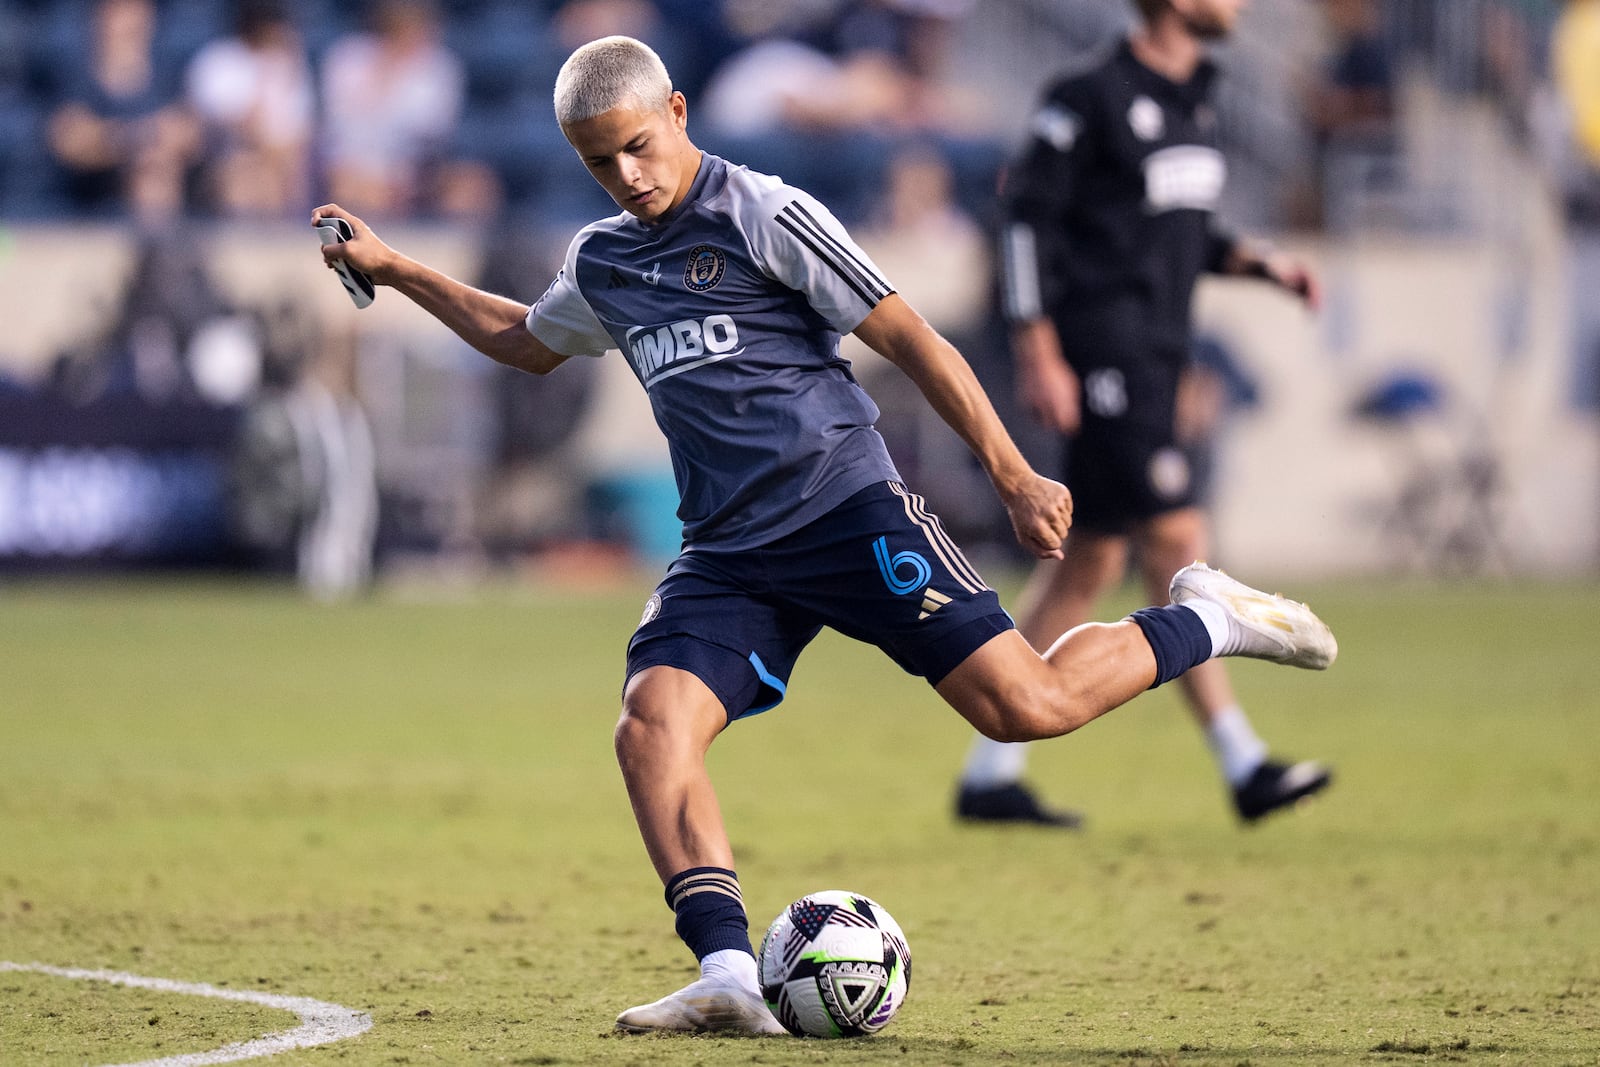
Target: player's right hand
point(364, 250)
point(1041, 515)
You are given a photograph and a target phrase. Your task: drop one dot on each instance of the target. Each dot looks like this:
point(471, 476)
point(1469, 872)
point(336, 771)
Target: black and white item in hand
point(334, 230)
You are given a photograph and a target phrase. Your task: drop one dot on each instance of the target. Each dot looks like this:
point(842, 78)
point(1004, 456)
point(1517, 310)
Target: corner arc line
point(320, 1022)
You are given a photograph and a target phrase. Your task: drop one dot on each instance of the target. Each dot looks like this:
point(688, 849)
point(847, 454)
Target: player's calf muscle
point(1008, 693)
point(1008, 698)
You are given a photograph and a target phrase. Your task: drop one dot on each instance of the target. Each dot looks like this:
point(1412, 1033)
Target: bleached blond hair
point(609, 73)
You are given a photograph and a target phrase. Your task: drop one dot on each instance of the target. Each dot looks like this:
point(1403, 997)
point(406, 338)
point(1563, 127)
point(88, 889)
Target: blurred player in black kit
point(1109, 221)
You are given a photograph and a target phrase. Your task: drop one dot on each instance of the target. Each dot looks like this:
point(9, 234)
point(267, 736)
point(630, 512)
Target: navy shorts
point(1125, 464)
point(879, 568)
point(1123, 474)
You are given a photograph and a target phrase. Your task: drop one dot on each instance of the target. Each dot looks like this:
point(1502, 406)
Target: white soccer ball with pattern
point(834, 964)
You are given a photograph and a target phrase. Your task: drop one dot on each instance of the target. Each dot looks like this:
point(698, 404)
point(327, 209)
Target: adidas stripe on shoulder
point(856, 271)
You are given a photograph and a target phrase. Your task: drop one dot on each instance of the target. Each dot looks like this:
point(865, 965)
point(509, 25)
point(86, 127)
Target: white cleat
point(704, 1006)
point(1260, 625)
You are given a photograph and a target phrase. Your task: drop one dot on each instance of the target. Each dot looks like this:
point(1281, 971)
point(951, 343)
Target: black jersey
point(1108, 210)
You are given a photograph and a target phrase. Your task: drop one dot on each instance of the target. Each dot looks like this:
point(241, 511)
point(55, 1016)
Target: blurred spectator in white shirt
point(254, 93)
point(393, 98)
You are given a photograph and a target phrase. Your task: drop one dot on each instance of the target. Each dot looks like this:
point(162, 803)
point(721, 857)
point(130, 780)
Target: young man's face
point(642, 157)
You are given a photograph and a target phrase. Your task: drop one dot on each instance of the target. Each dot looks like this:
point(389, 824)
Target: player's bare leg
point(1258, 784)
point(1060, 595)
point(669, 720)
point(1009, 693)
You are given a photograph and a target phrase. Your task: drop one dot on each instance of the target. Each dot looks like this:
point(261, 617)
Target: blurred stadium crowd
point(440, 108)
point(897, 113)
point(417, 108)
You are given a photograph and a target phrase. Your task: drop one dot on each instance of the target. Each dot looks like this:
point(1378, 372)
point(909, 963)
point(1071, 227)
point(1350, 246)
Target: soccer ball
point(834, 964)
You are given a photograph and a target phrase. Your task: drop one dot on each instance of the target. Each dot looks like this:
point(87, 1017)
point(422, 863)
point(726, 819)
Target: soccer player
point(1109, 221)
point(727, 292)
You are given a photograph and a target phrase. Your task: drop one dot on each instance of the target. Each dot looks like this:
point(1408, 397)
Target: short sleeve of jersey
point(563, 320)
point(798, 242)
point(1045, 174)
point(1042, 183)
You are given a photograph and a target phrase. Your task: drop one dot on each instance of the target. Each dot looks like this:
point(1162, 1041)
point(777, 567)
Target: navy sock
point(710, 910)
point(1177, 636)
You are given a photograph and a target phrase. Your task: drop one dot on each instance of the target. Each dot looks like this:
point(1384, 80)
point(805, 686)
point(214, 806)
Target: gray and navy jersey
point(730, 312)
point(1110, 207)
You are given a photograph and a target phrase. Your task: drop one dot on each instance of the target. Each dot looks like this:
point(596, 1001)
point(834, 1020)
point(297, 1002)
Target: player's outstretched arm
point(1040, 509)
point(1252, 259)
point(494, 325)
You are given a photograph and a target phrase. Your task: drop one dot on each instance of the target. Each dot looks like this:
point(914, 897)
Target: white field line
point(320, 1022)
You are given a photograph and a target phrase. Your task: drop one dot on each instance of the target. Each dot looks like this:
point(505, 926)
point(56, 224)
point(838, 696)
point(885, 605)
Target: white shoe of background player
point(704, 1005)
point(1260, 625)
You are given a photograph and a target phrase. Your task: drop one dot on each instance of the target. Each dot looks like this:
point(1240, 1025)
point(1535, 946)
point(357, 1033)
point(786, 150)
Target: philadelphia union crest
point(652, 608)
point(705, 268)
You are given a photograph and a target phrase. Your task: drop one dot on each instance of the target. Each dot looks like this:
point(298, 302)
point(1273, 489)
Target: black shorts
point(879, 568)
point(1125, 464)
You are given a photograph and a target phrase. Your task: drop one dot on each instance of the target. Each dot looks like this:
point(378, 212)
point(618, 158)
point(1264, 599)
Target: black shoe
point(1278, 785)
point(1014, 802)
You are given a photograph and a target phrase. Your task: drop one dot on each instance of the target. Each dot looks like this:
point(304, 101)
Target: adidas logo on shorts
point(932, 601)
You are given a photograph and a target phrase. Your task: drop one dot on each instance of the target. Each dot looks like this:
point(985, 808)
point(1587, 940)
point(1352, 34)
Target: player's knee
point(639, 728)
point(628, 734)
point(638, 731)
point(1041, 708)
point(1057, 706)
point(661, 721)
point(1007, 729)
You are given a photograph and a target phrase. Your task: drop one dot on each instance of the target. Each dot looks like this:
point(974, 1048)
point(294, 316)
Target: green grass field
point(408, 807)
